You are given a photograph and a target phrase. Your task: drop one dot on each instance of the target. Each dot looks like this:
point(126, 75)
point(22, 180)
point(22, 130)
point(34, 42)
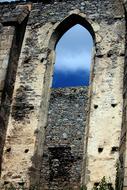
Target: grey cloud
point(73, 62)
point(74, 50)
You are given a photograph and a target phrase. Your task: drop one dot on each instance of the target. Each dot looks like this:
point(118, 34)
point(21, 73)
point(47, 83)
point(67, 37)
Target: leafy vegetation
point(103, 185)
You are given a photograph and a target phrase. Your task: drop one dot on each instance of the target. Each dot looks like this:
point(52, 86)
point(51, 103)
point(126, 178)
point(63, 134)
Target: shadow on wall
point(10, 82)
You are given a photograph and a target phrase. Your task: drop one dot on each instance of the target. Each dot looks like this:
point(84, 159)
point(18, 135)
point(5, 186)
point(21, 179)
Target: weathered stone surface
point(25, 91)
point(63, 146)
point(16, 15)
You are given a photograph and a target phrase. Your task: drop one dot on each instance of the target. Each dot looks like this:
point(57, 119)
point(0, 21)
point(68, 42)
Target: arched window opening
point(73, 58)
point(68, 107)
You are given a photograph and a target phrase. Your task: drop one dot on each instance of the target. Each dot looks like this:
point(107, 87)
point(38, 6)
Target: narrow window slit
point(114, 149)
point(42, 60)
point(21, 183)
point(113, 105)
point(95, 106)
point(8, 149)
point(26, 150)
point(100, 149)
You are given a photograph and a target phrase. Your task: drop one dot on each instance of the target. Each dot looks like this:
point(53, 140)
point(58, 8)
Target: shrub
point(103, 185)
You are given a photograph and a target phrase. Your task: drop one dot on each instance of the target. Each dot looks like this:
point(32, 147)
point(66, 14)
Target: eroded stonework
point(29, 32)
point(63, 146)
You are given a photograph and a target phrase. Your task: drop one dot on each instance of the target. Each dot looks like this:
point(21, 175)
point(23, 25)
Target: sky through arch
point(73, 58)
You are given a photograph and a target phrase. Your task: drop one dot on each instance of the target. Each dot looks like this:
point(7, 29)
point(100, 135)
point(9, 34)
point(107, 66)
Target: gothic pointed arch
point(66, 24)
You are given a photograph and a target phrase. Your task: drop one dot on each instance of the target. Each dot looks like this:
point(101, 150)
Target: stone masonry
point(66, 137)
point(63, 146)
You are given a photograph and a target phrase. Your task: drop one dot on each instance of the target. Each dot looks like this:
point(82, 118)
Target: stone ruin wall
point(123, 147)
point(26, 62)
point(63, 148)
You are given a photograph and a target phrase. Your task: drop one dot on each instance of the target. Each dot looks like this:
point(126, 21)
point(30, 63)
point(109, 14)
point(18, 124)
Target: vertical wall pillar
point(122, 174)
point(6, 38)
point(105, 117)
point(122, 167)
point(28, 115)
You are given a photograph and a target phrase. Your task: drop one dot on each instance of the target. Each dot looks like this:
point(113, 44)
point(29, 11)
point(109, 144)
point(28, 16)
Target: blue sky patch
point(73, 58)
